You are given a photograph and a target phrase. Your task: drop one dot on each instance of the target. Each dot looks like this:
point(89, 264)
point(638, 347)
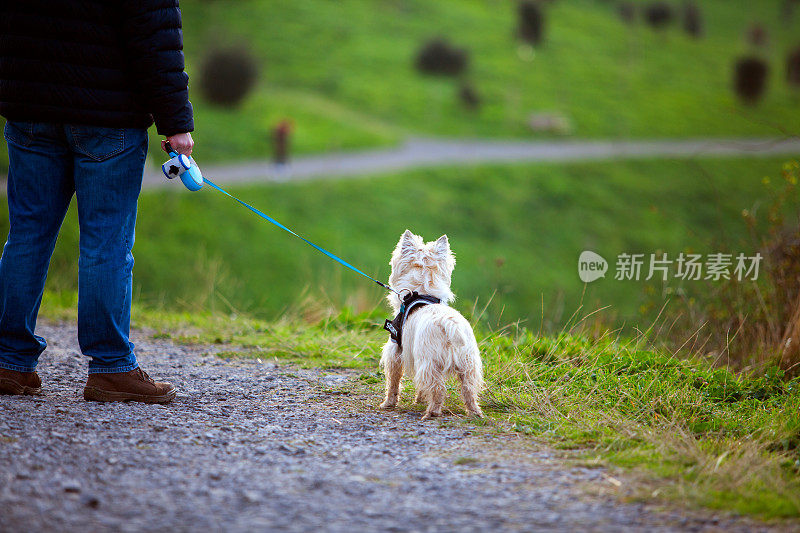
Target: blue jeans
point(48, 164)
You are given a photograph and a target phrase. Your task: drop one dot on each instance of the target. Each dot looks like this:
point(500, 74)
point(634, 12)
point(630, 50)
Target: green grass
point(726, 441)
point(517, 232)
point(695, 434)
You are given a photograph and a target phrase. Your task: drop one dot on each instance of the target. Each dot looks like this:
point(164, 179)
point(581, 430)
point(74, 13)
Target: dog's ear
point(406, 242)
point(442, 246)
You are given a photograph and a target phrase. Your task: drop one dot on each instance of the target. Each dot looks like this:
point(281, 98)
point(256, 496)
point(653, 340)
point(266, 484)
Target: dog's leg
point(470, 397)
point(393, 368)
point(418, 397)
point(435, 400)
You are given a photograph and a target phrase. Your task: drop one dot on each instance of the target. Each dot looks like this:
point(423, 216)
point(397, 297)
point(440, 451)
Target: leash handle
point(284, 228)
point(182, 166)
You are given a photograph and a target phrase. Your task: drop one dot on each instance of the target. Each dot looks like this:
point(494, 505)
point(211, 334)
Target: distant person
point(80, 83)
point(281, 140)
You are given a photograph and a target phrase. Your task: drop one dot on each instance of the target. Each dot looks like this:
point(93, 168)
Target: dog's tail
point(464, 355)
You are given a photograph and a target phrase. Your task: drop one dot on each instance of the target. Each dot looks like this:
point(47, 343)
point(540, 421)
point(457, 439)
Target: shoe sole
point(93, 394)
point(8, 386)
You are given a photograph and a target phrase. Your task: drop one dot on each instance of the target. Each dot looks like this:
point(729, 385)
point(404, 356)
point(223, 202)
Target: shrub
point(627, 12)
point(692, 20)
point(531, 22)
point(752, 323)
point(793, 68)
point(441, 58)
point(227, 75)
point(659, 15)
point(469, 96)
point(750, 78)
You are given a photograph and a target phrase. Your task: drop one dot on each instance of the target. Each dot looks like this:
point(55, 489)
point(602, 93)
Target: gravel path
point(418, 153)
point(253, 446)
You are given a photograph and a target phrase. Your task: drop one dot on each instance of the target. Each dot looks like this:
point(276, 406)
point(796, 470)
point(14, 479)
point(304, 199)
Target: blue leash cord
point(273, 221)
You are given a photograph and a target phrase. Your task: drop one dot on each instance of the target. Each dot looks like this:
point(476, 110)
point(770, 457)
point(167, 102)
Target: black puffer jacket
point(113, 63)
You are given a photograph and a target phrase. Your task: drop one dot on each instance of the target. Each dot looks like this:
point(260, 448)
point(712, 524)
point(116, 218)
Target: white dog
point(436, 340)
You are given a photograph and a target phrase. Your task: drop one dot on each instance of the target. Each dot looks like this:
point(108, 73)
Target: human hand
point(180, 142)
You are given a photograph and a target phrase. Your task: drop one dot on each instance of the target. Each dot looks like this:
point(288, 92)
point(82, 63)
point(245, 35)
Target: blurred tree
point(439, 57)
point(627, 12)
point(692, 20)
point(793, 68)
point(659, 15)
point(227, 75)
point(531, 22)
point(750, 78)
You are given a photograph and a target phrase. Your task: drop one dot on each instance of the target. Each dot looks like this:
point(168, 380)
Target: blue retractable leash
point(185, 168)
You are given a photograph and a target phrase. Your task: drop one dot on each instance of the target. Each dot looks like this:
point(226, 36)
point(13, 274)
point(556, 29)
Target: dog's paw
point(430, 415)
point(388, 405)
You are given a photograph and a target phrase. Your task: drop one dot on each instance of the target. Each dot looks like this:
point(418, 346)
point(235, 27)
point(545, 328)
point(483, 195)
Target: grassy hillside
point(344, 71)
point(696, 435)
point(517, 232)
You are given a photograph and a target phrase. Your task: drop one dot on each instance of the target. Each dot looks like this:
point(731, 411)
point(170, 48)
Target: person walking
point(81, 81)
point(281, 137)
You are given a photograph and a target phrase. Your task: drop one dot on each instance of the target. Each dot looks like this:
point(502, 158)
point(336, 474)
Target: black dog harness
point(411, 302)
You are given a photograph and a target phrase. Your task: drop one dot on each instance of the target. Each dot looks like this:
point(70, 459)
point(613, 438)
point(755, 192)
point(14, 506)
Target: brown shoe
point(13, 382)
point(133, 386)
